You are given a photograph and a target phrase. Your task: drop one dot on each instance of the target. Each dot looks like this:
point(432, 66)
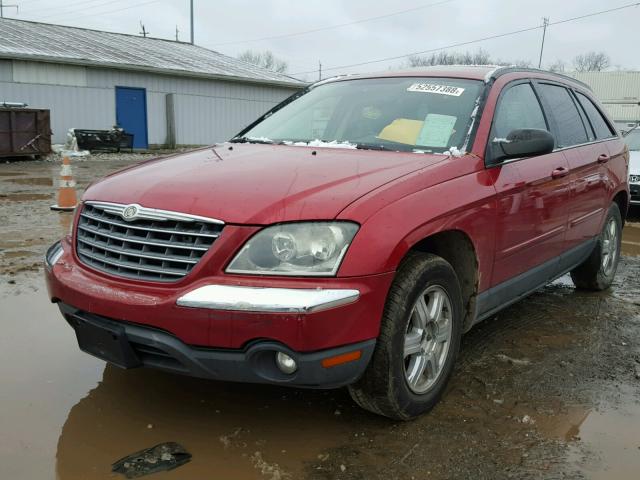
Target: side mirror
point(526, 142)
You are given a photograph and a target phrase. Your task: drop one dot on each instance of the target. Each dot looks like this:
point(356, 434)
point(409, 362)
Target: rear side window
point(518, 108)
point(599, 124)
point(571, 130)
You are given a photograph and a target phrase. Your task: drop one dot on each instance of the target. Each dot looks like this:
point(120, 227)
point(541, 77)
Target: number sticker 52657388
point(433, 88)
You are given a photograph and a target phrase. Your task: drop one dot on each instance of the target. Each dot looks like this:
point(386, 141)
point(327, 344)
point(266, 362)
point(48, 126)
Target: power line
point(330, 27)
point(72, 15)
point(115, 10)
point(37, 12)
point(478, 40)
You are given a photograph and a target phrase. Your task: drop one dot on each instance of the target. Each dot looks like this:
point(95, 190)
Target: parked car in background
point(632, 139)
point(351, 235)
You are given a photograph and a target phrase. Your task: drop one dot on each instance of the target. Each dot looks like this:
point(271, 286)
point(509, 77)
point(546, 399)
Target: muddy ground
point(550, 388)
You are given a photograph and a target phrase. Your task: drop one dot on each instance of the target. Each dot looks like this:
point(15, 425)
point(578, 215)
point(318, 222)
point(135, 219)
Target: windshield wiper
point(264, 141)
point(374, 146)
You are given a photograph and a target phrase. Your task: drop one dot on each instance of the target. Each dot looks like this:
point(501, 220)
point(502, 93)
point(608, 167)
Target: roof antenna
point(177, 32)
point(144, 31)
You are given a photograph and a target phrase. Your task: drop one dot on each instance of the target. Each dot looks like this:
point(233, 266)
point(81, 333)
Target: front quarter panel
point(465, 203)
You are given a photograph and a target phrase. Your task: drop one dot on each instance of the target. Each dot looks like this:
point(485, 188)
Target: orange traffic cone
point(67, 199)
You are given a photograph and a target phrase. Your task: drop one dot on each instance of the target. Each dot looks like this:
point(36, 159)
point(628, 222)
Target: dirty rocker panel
point(129, 345)
point(501, 296)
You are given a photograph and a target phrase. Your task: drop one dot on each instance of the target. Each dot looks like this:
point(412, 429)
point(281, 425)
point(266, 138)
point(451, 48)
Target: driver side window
point(518, 108)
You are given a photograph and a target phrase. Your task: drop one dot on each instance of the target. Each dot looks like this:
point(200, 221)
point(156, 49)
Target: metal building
point(166, 93)
point(619, 92)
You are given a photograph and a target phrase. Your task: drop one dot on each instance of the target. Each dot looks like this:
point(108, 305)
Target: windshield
point(633, 139)
point(425, 114)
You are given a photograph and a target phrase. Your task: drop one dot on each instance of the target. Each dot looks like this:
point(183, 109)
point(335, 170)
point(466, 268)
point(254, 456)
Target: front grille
point(154, 245)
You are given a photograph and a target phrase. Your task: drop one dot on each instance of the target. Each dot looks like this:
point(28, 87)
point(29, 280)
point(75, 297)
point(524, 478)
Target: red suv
point(351, 235)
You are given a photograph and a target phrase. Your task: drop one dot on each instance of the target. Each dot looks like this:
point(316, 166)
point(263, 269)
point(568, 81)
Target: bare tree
point(479, 57)
point(591, 62)
point(559, 66)
point(264, 59)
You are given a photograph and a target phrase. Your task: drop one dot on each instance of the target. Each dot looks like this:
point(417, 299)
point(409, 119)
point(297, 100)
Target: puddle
point(631, 239)
point(40, 181)
point(65, 412)
point(25, 197)
point(609, 446)
point(17, 254)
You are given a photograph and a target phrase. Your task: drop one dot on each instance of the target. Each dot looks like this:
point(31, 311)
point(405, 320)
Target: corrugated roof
point(26, 40)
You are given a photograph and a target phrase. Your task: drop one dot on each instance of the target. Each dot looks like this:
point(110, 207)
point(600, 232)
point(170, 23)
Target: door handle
point(560, 172)
point(604, 158)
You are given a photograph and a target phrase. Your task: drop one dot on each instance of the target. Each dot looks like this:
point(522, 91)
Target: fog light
point(285, 363)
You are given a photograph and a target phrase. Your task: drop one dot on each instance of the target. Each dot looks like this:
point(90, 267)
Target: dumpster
point(24, 131)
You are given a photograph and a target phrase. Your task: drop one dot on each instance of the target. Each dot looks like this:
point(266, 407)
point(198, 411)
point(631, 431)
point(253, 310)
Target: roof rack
point(498, 72)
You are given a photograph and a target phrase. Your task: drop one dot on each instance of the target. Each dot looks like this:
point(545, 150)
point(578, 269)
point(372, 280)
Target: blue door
point(131, 113)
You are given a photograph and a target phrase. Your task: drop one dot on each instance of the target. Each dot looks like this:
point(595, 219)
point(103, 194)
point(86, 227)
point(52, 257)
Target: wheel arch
point(622, 199)
point(457, 248)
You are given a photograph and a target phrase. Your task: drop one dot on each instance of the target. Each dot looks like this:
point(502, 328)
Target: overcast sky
point(231, 26)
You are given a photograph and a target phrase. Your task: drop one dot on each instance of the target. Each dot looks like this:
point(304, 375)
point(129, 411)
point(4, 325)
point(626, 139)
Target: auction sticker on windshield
point(433, 88)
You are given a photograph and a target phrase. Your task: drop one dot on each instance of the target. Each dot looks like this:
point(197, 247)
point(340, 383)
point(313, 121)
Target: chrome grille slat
point(124, 224)
point(155, 245)
point(124, 238)
point(130, 253)
point(130, 265)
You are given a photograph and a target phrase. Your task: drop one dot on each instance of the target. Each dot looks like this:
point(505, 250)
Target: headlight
point(309, 248)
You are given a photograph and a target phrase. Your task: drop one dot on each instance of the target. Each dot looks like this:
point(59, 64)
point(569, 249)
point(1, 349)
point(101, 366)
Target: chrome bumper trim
point(269, 300)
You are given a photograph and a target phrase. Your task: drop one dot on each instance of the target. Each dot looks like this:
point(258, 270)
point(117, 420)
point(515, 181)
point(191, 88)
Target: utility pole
point(2, 7)
point(144, 31)
point(545, 24)
point(191, 22)
point(319, 70)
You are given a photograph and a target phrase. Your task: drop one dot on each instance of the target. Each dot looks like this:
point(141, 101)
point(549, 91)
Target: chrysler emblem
point(130, 212)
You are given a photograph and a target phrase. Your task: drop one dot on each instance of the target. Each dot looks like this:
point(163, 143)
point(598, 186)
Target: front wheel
point(418, 342)
point(597, 271)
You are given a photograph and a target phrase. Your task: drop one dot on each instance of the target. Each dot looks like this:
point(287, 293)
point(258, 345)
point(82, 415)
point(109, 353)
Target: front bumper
point(320, 314)
point(128, 346)
point(634, 190)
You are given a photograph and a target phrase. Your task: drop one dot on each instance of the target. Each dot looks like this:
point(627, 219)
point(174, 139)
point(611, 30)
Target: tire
point(598, 271)
point(392, 385)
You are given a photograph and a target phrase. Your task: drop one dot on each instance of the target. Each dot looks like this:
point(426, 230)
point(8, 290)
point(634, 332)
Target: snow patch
point(455, 152)
point(322, 144)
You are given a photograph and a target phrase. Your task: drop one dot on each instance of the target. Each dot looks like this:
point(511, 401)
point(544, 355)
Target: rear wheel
point(418, 343)
point(599, 270)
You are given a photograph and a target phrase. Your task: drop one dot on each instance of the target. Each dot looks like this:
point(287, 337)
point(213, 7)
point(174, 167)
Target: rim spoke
point(416, 369)
point(442, 335)
point(412, 343)
point(612, 230)
point(431, 365)
point(427, 339)
point(421, 313)
point(436, 302)
point(606, 246)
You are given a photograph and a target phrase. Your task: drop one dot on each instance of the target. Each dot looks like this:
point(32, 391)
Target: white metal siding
point(204, 120)
point(49, 73)
point(6, 71)
point(70, 106)
point(618, 91)
point(612, 85)
point(206, 110)
point(156, 118)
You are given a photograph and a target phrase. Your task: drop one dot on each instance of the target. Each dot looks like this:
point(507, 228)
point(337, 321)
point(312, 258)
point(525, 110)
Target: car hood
point(258, 184)
point(634, 163)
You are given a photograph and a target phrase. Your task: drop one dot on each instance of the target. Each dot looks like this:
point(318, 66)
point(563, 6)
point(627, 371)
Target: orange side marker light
point(342, 358)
